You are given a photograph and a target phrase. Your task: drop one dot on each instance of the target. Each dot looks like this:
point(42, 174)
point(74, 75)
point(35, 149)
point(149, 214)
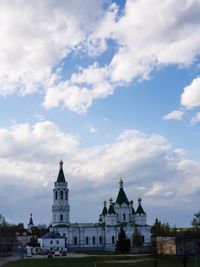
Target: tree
point(196, 221)
point(137, 238)
point(161, 229)
point(123, 243)
point(33, 242)
point(2, 220)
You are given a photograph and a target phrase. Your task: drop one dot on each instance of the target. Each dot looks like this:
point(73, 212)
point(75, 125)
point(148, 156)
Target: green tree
point(161, 229)
point(33, 242)
point(137, 238)
point(196, 221)
point(122, 244)
point(2, 220)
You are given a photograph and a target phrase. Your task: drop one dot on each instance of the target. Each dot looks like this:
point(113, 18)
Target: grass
point(103, 261)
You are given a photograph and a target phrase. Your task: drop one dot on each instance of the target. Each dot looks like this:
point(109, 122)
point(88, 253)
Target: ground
point(83, 260)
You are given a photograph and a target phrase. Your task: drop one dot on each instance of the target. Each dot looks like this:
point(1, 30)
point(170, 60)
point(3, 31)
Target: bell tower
point(60, 207)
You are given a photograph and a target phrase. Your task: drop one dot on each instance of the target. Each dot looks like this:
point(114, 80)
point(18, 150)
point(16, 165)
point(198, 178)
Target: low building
point(24, 236)
point(166, 245)
point(179, 245)
point(52, 242)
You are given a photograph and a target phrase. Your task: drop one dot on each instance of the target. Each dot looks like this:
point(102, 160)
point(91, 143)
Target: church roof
point(51, 235)
point(61, 176)
point(122, 198)
point(133, 211)
point(30, 220)
point(105, 211)
point(140, 208)
point(111, 209)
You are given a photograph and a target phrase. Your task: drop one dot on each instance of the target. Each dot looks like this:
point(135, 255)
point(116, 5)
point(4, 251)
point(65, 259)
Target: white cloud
point(45, 33)
point(36, 36)
point(174, 115)
point(180, 152)
point(26, 142)
point(75, 98)
point(92, 75)
point(93, 130)
point(195, 119)
point(143, 45)
point(155, 40)
point(190, 98)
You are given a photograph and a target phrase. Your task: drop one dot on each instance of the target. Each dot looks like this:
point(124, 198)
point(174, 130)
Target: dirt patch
point(128, 261)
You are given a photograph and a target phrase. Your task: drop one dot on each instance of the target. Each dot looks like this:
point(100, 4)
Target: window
point(57, 241)
point(124, 216)
point(87, 240)
point(93, 240)
point(61, 217)
point(56, 195)
point(100, 240)
point(75, 240)
point(61, 194)
point(142, 239)
point(51, 242)
point(66, 195)
point(113, 239)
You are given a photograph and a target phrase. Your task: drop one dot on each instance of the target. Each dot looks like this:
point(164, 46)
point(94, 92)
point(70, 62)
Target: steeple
point(111, 208)
point(60, 207)
point(133, 210)
point(140, 208)
point(30, 224)
point(61, 176)
point(121, 198)
point(105, 211)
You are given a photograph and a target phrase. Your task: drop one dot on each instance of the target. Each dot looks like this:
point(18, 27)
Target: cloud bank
point(151, 167)
point(46, 33)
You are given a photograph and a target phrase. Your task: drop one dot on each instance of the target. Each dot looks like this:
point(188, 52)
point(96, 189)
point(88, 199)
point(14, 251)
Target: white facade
point(102, 235)
point(53, 242)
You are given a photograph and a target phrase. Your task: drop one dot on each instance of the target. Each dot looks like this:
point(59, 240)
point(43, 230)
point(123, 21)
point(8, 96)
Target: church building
point(103, 234)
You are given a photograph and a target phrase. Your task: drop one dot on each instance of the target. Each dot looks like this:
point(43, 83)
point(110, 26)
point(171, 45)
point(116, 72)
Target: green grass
point(102, 261)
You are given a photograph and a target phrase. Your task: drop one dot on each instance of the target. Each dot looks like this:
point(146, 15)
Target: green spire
point(105, 211)
point(121, 198)
point(111, 208)
point(31, 220)
point(140, 208)
point(133, 210)
point(61, 177)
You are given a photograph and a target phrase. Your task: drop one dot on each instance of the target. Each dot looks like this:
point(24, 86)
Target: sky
point(113, 89)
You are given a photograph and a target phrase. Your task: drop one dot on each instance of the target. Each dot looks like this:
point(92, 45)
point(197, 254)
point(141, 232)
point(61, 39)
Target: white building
point(53, 242)
point(101, 235)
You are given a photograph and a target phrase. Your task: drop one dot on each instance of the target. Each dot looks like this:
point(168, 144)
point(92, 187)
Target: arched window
point(93, 240)
point(75, 240)
point(100, 240)
point(61, 194)
point(61, 217)
point(66, 195)
point(113, 239)
point(87, 240)
point(56, 195)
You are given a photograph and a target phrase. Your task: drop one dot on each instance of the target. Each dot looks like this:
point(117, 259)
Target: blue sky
point(112, 94)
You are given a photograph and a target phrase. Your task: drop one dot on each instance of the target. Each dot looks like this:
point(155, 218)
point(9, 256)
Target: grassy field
point(103, 261)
